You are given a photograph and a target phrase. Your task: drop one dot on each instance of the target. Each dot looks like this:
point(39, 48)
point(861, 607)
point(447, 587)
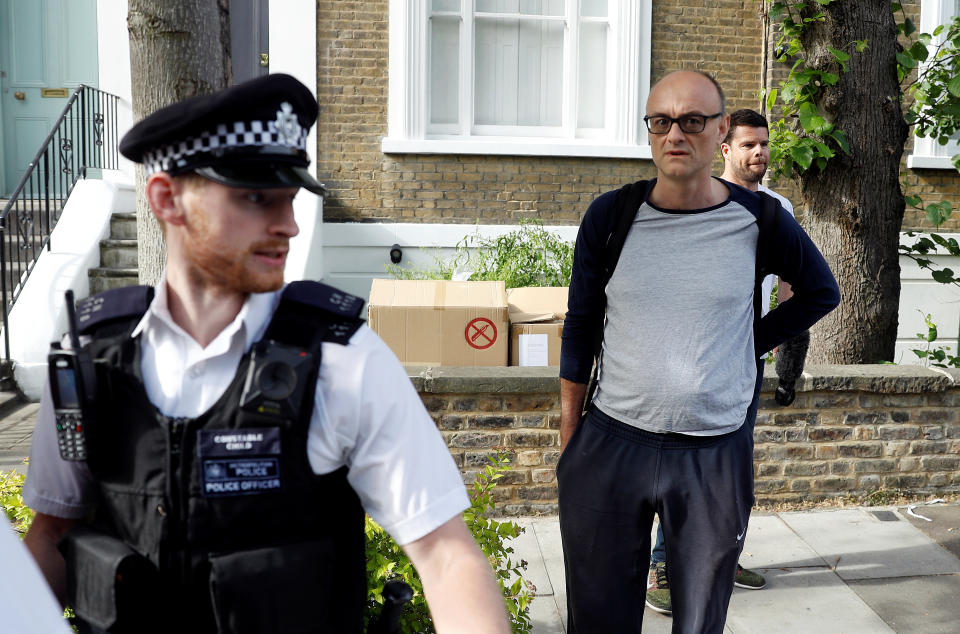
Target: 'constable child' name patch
point(240, 462)
point(260, 441)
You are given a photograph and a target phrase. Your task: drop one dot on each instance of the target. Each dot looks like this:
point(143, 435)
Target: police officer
point(240, 428)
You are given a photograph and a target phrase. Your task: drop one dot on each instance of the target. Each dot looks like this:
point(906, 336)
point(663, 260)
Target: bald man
point(669, 428)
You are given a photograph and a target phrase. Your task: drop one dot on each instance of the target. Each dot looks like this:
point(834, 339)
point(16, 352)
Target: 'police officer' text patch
point(240, 461)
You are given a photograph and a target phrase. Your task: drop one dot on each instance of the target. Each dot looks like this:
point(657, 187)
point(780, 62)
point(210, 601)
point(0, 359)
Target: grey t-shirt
point(678, 351)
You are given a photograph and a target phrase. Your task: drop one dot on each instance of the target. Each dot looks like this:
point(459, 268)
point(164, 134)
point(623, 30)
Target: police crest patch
point(288, 127)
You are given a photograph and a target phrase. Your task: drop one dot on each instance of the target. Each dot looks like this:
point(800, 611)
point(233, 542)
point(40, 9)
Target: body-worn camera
point(73, 386)
point(276, 380)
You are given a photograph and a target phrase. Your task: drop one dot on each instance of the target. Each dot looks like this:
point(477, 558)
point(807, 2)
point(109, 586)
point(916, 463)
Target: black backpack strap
point(767, 223)
point(625, 207)
point(311, 313)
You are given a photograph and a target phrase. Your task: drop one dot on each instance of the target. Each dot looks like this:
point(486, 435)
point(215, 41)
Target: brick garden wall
point(852, 430)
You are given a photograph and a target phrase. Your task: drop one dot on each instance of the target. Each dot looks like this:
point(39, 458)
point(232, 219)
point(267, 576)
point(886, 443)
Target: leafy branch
point(929, 70)
point(803, 137)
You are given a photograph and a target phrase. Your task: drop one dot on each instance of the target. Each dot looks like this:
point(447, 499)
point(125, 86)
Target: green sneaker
point(658, 589)
point(748, 579)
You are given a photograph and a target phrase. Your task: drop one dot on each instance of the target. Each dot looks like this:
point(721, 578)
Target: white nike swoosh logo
point(740, 536)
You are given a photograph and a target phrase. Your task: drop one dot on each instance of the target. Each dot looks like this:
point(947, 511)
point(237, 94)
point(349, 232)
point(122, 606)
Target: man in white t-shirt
point(746, 154)
point(238, 428)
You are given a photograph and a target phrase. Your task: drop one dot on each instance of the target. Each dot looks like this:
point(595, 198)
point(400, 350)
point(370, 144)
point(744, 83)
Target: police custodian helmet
point(251, 135)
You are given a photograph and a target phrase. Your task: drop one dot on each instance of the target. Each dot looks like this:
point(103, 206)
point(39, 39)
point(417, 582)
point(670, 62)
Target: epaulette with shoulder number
point(323, 296)
point(312, 312)
point(125, 304)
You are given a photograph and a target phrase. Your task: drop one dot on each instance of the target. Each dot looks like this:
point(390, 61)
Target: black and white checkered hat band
point(250, 134)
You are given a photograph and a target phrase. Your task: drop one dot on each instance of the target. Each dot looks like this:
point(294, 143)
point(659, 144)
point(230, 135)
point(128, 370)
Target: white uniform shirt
point(366, 415)
point(770, 279)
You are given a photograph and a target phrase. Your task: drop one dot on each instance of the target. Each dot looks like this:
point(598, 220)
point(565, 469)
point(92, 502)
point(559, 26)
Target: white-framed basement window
point(927, 153)
point(521, 77)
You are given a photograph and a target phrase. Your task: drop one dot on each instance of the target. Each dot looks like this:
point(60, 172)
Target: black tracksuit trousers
point(612, 478)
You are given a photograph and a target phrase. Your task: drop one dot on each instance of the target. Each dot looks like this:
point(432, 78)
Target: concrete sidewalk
point(16, 431)
point(850, 570)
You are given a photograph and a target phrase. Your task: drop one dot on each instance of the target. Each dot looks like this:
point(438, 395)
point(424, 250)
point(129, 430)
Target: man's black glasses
point(689, 123)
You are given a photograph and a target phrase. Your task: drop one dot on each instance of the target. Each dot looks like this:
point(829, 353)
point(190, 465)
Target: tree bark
point(854, 207)
point(178, 49)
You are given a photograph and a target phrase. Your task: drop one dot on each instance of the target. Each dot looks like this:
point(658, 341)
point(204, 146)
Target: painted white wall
point(356, 253)
point(39, 315)
point(921, 295)
point(293, 50)
point(113, 50)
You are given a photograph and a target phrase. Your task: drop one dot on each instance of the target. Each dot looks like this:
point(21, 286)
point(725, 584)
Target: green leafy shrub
point(11, 483)
point(937, 356)
point(528, 256)
point(386, 560)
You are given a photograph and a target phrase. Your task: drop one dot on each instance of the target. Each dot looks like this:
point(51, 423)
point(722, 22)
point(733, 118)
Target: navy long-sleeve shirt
point(676, 319)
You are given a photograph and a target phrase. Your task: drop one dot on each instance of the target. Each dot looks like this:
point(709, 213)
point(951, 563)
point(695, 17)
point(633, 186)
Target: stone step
point(10, 401)
point(102, 279)
point(118, 254)
point(123, 226)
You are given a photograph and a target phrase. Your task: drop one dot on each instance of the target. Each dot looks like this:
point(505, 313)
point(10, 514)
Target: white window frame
point(628, 84)
point(927, 153)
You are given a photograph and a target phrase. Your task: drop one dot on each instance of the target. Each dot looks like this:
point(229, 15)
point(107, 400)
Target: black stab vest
point(243, 536)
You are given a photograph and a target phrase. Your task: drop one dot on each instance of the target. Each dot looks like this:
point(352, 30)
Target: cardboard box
point(431, 322)
point(536, 323)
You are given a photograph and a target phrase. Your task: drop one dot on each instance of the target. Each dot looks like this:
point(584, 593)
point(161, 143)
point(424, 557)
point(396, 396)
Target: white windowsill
point(919, 162)
point(515, 147)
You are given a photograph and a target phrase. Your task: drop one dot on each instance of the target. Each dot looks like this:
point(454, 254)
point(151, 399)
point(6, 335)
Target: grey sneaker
point(658, 589)
point(748, 579)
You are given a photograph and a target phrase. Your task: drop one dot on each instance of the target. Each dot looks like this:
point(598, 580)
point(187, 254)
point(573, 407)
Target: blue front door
point(47, 49)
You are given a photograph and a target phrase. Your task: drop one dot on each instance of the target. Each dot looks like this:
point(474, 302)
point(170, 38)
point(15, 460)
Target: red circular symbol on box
point(480, 333)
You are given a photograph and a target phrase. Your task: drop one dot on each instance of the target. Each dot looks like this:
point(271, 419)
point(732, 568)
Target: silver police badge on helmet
point(288, 127)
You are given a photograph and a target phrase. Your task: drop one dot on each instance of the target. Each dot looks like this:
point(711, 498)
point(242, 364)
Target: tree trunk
point(854, 207)
point(178, 49)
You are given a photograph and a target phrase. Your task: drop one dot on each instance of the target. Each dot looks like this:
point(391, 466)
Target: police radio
point(276, 379)
point(73, 386)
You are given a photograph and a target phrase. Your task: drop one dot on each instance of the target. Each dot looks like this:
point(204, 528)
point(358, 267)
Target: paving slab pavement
point(848, 570)
point(16, 432)
point(859, 545)
point(940, 523)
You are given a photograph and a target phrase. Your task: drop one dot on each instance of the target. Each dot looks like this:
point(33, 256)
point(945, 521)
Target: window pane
point(445, 5)
point(519, 72)
point(523, 7)
point(593, 8)
point(593, 75)
point(444, 70)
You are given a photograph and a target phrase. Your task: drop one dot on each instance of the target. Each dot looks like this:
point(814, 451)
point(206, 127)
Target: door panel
point(78, 32)
point(26, 49)
point(249, 39)
point(43, 44)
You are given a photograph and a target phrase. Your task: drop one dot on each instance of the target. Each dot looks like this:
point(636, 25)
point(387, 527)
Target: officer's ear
point(724, 150)
point(163, 193)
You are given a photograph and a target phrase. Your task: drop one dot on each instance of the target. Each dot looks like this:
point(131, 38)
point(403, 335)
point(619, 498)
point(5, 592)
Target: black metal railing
point(82, 142)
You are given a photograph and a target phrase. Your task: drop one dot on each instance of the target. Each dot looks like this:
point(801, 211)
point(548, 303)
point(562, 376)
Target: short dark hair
point(747, 118)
